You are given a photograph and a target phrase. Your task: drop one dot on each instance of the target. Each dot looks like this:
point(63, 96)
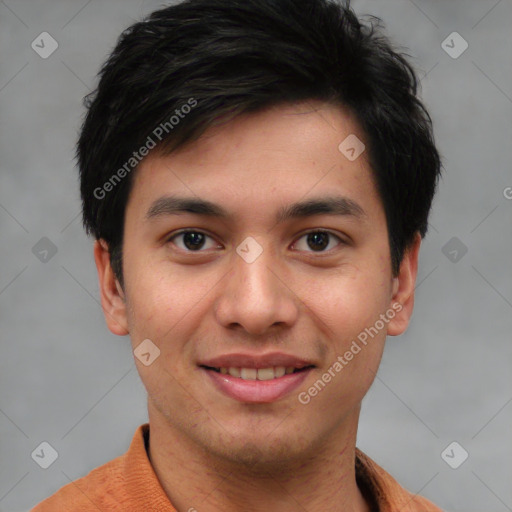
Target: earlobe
point(402, 301)
point(112, 295)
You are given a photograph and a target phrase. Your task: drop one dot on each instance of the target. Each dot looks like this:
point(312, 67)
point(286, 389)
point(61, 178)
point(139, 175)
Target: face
point(285, 270)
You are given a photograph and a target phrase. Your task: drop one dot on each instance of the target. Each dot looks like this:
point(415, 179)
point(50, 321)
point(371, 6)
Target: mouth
point(261, 374)
point(256, 380)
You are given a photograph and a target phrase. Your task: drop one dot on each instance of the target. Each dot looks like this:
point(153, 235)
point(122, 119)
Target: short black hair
point(188, 66)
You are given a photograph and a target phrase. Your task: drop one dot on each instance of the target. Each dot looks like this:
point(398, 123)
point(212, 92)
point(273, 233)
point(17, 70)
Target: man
point(258, 176)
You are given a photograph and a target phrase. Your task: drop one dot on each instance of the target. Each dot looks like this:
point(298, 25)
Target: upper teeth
point(258, 374)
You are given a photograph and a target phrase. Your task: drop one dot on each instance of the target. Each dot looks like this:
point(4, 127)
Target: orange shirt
point(129, 484)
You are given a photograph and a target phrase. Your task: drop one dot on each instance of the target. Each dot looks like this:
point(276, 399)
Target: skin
point(209, 451)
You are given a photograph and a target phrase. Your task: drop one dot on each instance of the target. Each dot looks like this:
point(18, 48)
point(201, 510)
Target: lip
point(256, 391)
point(246, 360)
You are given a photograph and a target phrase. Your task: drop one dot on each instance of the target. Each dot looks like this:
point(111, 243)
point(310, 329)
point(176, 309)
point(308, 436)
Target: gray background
point(65, 379)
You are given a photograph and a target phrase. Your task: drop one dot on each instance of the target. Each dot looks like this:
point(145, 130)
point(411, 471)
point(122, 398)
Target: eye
point(319, 239)
point(194, 240)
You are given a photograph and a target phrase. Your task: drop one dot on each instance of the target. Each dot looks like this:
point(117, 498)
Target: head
point(245, 104)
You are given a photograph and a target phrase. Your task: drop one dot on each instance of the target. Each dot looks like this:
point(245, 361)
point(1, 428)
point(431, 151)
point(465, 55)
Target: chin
point(262, 451)
point(261, 459)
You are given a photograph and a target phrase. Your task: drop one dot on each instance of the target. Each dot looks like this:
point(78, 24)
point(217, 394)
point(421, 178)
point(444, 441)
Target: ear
point(112, 295)
point(402, 301)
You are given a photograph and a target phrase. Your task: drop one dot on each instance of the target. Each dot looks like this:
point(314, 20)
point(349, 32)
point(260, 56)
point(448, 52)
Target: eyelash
point(185, 231)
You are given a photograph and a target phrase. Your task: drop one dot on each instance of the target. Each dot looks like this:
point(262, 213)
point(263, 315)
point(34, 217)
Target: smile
point(257, 373)
point(257, 386)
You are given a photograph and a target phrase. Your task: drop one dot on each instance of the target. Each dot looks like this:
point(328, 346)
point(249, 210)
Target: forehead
point(279, 155)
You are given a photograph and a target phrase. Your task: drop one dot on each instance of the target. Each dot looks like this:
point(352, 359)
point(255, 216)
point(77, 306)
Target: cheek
point(349, 305)
point(160, 295)
point(168, 307)
point(349, 300)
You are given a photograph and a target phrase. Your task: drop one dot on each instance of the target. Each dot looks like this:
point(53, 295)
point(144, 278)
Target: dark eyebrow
point(333, 205)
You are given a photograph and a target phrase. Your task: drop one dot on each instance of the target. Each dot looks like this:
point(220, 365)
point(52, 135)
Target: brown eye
point(319, 240)
point(192, 240)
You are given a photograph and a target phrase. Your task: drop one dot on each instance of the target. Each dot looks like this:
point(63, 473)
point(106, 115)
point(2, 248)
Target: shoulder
point(123, 483)
point(126, 483)
point(98, 490)
point(387, 493)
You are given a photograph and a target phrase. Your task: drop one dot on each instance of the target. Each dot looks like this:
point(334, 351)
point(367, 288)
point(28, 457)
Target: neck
point(193, 478)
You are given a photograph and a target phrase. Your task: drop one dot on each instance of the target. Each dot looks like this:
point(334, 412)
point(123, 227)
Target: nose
point(257, 296)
